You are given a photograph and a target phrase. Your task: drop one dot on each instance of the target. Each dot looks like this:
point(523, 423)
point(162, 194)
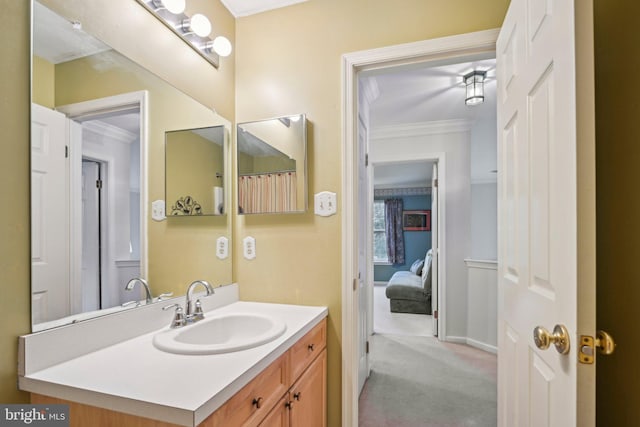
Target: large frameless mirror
point(98, 129)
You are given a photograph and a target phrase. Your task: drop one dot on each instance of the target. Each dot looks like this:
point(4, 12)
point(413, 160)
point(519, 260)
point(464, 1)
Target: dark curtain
point(393, 228)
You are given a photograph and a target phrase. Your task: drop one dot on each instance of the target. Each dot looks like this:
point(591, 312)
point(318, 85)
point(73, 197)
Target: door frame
point(440, 159)
point(99, 106)
point(456, 46)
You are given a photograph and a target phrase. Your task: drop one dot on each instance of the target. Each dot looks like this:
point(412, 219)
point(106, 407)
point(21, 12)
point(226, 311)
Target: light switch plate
point(325, 203)
point(249, 247)
point(157, 210)
point(222, 247)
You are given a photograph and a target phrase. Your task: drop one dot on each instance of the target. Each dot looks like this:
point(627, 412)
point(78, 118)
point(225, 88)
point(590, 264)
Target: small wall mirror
point(194, 164)
point(272, 165)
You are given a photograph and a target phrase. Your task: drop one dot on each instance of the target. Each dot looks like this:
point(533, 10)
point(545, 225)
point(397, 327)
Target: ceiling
point(240, 8)
point(58, 40)
point(421, 93)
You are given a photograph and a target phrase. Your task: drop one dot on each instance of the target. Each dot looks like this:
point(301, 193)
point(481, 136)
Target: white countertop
point(136, 378)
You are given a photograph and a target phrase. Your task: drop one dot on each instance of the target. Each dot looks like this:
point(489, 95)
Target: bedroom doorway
point(410, 183)
point(461, 151)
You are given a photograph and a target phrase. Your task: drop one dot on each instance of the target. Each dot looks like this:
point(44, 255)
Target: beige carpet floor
point(422, 382)
point(386, 322)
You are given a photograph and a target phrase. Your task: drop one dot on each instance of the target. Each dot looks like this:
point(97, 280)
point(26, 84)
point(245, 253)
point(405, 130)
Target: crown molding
point(421, 129)
point(97, 128)
point(370, 90)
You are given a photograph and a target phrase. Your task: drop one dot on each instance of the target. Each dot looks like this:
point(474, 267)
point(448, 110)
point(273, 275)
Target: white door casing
point(538, 215)
point(49, 215)
point(458, 46)
point(435, 256)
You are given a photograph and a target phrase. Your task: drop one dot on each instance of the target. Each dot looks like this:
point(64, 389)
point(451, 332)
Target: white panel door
point(538, 263)
point(49, 215)
point(435, 291)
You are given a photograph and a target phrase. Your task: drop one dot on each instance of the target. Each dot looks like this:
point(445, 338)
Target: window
point(379, 234)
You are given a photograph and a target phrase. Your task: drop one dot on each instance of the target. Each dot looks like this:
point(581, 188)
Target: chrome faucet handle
point(198, 314)
point(131, 303)
point(164, 296)
point(178, 319)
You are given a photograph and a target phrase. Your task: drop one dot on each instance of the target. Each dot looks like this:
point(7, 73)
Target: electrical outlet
point(222, 247)
point(157, 210)
point(249, 245)
point(325, 203)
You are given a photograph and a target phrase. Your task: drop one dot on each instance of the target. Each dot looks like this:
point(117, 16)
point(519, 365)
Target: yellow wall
point(15, 265)
point(43, 82)
point(617, 54)
point(288, 62)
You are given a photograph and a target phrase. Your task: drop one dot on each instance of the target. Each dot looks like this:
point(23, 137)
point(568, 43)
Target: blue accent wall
point(416, 243)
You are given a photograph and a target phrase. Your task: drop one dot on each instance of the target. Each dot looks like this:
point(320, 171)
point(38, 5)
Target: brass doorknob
point(560, 338)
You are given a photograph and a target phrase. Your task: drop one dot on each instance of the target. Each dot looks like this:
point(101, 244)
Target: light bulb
point(200, 25)
point(222, 46)
point(174, 6)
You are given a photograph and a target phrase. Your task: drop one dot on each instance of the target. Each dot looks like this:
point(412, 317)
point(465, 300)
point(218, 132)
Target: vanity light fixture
point(474, 82)
point(174, 6)
point(193, 30)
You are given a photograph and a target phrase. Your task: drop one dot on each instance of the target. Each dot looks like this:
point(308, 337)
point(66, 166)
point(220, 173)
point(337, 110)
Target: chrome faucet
point(144, 283)
point(189, 312)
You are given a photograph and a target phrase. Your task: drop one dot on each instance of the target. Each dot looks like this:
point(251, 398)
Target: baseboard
point(472, 343)
point(482, 346)
point(380, 283)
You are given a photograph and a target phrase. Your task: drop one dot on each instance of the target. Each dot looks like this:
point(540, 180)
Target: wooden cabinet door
point(308, 396)
point(279, 415)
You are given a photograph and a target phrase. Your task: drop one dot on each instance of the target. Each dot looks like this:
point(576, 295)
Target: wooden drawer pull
point(310, 347)
point(257, 402)
point(297, 395)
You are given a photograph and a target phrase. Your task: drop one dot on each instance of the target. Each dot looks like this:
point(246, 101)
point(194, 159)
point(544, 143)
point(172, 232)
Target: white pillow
point(416, 267)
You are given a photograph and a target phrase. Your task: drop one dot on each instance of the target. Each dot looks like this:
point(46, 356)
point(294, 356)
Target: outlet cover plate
point(222, 247)
point(249, 247)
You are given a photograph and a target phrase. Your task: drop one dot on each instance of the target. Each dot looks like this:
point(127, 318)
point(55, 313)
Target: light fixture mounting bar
point(173, 22)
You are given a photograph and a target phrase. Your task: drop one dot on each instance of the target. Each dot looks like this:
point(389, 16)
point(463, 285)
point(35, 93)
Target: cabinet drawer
point(251, 404)
point(307, 349)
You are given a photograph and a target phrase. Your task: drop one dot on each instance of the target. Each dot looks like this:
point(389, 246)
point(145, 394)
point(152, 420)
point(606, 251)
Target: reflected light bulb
point(174, 6)
point(200, 25)
point(222, 46)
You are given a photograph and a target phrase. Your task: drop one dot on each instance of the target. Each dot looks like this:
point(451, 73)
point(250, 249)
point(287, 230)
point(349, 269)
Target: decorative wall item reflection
point(272, 166)
point(186, 206)
point(195, 167)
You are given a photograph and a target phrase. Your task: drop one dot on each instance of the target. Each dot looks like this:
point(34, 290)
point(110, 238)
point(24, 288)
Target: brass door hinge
point(603, 342)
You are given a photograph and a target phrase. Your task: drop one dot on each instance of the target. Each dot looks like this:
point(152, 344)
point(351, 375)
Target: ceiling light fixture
point(474, 82)
point(193, 30)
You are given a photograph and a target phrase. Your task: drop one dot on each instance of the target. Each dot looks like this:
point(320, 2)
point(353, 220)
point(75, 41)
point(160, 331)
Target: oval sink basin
point(220, 334)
